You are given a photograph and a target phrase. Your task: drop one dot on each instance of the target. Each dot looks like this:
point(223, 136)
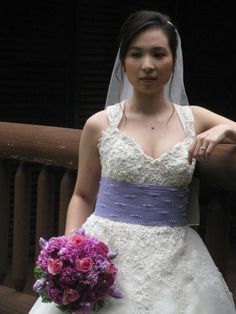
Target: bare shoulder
point(95, 124)
point(199, 111)
point(97, 121)
point(206, 119)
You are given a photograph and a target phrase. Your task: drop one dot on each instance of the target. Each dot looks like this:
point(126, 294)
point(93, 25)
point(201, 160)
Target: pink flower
point(69, 296)
point(102, 248)
point(84, 264)
point(54, 266)
point(111, 269)
point(77, 239)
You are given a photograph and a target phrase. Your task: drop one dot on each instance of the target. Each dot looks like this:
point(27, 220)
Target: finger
point(209, 150)
point(190, 152)
point(197, 150)
point(202, 152)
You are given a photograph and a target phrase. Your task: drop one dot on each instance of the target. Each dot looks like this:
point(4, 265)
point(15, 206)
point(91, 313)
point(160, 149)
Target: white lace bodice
point(123, 159)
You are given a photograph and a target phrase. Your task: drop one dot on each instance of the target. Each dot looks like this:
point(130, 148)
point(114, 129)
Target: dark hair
point(141, 20)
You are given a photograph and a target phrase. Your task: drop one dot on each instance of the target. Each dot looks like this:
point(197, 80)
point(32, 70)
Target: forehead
point(154, 37)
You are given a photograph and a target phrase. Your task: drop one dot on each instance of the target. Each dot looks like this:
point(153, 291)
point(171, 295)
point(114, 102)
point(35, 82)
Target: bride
point(136, 163)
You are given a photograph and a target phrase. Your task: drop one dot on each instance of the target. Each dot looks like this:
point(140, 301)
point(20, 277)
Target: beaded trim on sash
point(144, 204)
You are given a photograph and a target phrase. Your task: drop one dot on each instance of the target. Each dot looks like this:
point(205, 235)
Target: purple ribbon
point(144, 204)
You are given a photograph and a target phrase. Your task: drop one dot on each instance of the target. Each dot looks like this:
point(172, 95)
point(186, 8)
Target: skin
point(148, 56)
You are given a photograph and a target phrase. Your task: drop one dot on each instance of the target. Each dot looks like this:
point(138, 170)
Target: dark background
point(56, 56)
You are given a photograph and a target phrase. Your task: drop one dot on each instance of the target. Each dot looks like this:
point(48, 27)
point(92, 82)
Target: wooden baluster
point(4, 218)
point(45, 205)
point(217, 230)
point(66, 190)
point(21, 227)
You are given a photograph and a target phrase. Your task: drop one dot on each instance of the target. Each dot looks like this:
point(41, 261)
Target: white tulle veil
point(120, 89)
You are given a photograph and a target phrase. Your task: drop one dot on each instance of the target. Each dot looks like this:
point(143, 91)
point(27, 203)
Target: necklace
point(154, 126)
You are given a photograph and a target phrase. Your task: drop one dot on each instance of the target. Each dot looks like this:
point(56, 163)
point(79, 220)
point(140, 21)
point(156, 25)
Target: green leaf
point(97, 306)
point(45, 298)
point(38, 272)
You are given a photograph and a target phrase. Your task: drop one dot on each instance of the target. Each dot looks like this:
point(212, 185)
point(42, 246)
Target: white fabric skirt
point(161, 270)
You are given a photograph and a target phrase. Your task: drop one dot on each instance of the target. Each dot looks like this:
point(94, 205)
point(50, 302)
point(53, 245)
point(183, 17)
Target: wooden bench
point(13, 302)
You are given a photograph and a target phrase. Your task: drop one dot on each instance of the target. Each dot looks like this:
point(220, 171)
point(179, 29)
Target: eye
point(136, 55)
point(159, 55)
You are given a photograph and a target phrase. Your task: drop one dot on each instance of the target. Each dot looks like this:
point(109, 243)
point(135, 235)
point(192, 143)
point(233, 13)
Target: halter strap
point(115, 113)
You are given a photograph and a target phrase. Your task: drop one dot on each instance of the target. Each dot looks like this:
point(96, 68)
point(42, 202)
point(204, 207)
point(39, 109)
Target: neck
point(148, 104)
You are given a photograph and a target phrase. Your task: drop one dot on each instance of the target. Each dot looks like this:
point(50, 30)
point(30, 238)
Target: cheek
point(130, 66)
point(168, 68)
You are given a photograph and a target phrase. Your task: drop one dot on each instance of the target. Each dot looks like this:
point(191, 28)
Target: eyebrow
point(154, 48)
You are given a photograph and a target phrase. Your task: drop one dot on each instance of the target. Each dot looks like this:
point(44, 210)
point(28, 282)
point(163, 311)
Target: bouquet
point(76, 273)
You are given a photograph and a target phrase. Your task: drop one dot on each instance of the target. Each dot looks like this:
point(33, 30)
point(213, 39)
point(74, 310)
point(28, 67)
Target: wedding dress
point(162, 269)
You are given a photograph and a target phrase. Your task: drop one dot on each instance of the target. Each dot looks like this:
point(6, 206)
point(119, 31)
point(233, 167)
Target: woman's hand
point(205, 142)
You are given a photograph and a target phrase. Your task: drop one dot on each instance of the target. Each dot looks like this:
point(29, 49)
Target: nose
point(147, 65)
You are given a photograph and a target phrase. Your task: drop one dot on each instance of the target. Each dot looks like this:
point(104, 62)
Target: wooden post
point(66, 190)
point(45, 205)
point(4, 218)
point(21, 227)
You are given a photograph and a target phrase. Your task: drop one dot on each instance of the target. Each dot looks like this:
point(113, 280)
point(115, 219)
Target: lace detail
point(160, 268)
point(123, 159)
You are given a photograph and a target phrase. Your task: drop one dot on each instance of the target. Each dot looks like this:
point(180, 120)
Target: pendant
point(152, 126)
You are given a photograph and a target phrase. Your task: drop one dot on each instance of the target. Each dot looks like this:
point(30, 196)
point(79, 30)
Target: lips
point(148, 79)
point(151, 78)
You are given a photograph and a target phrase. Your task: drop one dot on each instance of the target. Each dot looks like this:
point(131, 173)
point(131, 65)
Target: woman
point(136, 161)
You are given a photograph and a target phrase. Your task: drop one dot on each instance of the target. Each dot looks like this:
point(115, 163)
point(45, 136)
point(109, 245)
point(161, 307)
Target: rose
point(77, 239)
point(69, 296)
point(54, 266)
point(111, 269)
point(84, 264)
point(102, 248)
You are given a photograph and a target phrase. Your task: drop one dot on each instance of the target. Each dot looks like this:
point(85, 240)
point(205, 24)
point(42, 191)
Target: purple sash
point(144, 204)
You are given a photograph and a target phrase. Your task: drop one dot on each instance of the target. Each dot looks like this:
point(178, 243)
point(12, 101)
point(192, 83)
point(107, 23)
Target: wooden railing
point(54, 147)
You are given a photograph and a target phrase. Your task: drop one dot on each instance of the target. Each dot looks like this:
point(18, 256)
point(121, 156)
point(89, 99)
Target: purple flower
point(39, 285)
point(78, 231)
point(68, 253)
point(69, 276)
point(90, 279)
point(112, 255)
point(43, 243)
point(55, 244)
point(55, 294)
point(115, 293)
point(101, 263)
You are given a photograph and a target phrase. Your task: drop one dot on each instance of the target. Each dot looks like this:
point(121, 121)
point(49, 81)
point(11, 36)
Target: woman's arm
point(211, 129)
point(83, 199)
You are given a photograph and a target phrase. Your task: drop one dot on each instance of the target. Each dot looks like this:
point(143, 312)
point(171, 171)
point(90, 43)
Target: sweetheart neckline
point(139, 147)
